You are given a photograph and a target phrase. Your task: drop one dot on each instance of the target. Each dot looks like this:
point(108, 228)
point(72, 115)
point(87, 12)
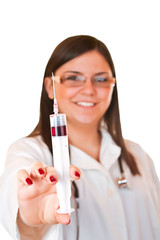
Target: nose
point(88, 88)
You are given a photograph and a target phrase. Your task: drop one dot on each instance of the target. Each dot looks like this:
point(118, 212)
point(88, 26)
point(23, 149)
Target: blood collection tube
point(61, 160)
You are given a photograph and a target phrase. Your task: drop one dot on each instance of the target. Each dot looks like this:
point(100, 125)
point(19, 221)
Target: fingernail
point(53, 179)
point(29, 181)
point(40, 170)
point(77, 174)
point(69, 222)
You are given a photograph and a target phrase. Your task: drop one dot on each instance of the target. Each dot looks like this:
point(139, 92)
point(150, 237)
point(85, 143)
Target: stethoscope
point(121, 182)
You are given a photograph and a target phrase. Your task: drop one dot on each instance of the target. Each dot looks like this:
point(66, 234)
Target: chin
point(86, 120)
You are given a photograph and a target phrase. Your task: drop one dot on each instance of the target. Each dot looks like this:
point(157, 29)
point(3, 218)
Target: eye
point(73, 78)
point(100, 79)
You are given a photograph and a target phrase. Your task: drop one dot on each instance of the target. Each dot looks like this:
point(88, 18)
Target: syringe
point(61, 157)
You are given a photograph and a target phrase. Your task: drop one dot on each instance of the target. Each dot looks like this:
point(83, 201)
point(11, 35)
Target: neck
point(86, 137)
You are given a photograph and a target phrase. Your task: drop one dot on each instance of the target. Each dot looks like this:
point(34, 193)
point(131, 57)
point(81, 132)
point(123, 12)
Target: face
point(85, 104)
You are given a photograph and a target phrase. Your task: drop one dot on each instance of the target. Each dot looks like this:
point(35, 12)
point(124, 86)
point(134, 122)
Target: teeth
point(86, 104)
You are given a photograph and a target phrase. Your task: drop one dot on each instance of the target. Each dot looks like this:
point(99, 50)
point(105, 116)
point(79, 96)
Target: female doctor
point(117, 195)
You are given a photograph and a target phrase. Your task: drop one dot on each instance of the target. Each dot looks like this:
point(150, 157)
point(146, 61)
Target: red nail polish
point(69, 222)
point(40, 170)
point(29, 181)
point(53, 179)
point(77, 174)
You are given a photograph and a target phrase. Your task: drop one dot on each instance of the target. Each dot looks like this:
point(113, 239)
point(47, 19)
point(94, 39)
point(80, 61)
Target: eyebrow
point(99, 73)
point(76, 72)
point(73, 72)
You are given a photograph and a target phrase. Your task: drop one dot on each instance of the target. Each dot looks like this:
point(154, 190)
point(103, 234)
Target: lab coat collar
point(109, 153)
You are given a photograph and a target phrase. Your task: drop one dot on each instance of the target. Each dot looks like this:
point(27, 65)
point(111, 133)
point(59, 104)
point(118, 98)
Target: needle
point(55, 105)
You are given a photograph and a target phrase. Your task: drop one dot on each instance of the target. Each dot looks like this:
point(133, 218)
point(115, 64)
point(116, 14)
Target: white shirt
point(105, 211)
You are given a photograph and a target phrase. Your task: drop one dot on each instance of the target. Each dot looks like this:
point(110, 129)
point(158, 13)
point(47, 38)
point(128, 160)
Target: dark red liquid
point(59, 131)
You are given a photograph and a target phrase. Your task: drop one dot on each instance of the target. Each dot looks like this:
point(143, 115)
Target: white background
point(31, 29)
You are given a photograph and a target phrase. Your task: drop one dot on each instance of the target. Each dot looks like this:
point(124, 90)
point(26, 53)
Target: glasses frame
point(57, 79)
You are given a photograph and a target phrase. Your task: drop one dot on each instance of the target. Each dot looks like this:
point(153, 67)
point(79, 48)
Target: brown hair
point(65, 51)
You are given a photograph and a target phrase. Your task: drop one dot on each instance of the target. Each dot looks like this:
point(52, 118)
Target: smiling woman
point(114, 173)
point(66, 53)
point(84, 97)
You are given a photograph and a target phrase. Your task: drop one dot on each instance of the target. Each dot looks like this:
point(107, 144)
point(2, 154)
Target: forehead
point(89, 62)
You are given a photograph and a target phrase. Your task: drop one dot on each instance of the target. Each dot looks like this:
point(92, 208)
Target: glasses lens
point(103, 81)
point(73, 80)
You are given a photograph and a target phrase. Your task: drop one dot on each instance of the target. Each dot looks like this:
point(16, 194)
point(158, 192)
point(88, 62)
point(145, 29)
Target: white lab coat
point(105, 211)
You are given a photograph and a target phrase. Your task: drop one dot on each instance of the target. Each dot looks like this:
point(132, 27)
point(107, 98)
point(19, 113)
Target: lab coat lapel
point(109, 152)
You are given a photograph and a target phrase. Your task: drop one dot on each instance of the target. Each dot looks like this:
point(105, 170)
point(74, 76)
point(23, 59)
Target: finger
point(63, 218)
point(24, 177)
point(37, 170)
point(51, 175)
point(75, 172)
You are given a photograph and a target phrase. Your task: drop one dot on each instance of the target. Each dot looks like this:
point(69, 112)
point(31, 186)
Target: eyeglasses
point(102, 80)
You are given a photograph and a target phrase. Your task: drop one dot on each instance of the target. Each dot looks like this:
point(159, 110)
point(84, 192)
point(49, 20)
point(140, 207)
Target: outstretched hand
point(37, 197)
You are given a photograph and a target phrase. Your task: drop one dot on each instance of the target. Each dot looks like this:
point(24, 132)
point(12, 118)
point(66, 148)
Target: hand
point(37, 197)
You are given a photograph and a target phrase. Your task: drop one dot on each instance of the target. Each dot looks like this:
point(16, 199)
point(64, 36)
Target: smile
point(86, 104)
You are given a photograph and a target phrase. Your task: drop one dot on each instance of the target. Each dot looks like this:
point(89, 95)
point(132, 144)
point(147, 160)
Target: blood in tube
point(59, 131)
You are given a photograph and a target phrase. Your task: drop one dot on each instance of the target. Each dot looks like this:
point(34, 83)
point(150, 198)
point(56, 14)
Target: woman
point(117, 194)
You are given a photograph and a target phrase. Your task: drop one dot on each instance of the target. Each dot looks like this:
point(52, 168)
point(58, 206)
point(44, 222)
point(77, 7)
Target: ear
point(49, 87)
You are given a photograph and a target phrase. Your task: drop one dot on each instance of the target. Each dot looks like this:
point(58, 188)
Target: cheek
point(64, 96)
point(63, 93)
point(106, 95)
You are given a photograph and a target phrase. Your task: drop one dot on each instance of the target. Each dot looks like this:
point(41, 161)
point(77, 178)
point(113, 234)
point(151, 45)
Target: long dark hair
point(65, 51)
